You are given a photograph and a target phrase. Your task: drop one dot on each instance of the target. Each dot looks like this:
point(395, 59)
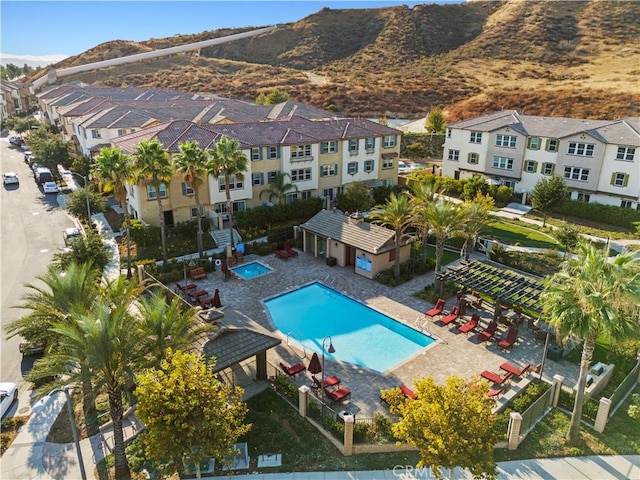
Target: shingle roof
point(333, 224)
point(231, 346)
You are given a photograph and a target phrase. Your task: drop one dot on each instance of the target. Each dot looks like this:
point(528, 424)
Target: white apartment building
point(599, 159)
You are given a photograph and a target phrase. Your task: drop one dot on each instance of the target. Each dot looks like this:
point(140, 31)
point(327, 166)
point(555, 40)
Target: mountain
point(559, 58)
point(34, 61)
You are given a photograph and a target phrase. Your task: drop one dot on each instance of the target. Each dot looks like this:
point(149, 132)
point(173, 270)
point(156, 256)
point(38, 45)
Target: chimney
point(356, 218)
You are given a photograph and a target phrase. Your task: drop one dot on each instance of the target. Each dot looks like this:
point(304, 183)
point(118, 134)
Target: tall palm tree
point(153, 167)
point(396, 213)
point(279, 188)
point(421, 195)
point(475, 215)
point(445, 218)
point(114, 172)
point(228, 161)
point(191, 162)
point(591, 297)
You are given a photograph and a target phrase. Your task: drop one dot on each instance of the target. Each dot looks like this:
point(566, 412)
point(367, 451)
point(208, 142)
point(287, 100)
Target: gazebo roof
point(517, 288)
point(233, 345)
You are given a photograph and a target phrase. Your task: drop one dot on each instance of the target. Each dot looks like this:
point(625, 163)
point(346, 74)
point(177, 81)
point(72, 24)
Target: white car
point(8, 395)
point(403, 167)
point(24, 147)
point(10, 178)
point(50, 187)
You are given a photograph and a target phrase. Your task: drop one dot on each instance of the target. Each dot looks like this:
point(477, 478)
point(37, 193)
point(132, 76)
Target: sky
point(72, 27)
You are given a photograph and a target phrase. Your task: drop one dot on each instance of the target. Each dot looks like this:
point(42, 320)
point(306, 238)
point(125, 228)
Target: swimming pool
point(359, 334)
point(251, 270)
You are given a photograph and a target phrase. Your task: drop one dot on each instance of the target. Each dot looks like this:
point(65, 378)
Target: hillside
point(560, 58)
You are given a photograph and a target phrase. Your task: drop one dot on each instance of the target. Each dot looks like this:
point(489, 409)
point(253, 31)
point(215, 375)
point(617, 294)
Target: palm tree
point(475, 215)
point(445, 219)
point(591, 297)
point(114, 172)
point(396, 213)
point(153, 168)
point(279, 188)
point(421, 195)
point(191, 162)
point(228, 161)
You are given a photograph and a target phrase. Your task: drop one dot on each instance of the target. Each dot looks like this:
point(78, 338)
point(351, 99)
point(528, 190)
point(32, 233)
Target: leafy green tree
point(189, 415)
point(396, 213)
point(475, 215)
point(382, 120)
point(152, 167)
point(77, 203)
point(446, 221)
point(549, 193)
point(435, 122)
point(21, 125)
point(421, 195)
point(279, 188)
point(568, 236)
point(228, 161)
point(474, 186)
point(356, 198)
point(273, 97)
point(49, 148)
point(416, 150)
point(191, 163)
point(590, 297)
point(89, 249)
point(451, 425)
point(114, 171)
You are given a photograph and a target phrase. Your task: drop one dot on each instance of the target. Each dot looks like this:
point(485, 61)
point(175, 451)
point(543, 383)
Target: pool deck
point(452, 354)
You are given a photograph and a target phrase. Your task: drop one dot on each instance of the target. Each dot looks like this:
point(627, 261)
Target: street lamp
point(329, 350)
point(76, 439)
point(86, 193)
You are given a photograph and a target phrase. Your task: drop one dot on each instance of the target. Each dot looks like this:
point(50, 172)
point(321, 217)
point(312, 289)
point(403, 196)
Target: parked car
point(17, 141)
point(24, 147)
point(50, 187)
point(70, 234)
point(10, 178)
point(27, 155)
point(8, 395)
point(403, 167)
point(43, 175)
point(32, 348)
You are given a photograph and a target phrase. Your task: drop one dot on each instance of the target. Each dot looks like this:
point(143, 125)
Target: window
point(472, 158)
point(583, 197)
point(619, 179)
point(151, 192)
point(300, 151)
point(626, 204)
point(552, 145)
point(307, 194)
point(503, 163)
point(533, 143)
point(576, 173)
point(448, 133)
point(582, 149)
point(273, 152)
point(387, 182)
point(389, 141)
point(506, 141)
point(368, 165)
point(387, 163)
point(84, 132)
point(271, 176)
point(329, 147)
point(353, 146)
point(95, 134)
point(300, 174)
point(530, 166)
point(234, 184)
point(239, 206)
point(257, 179)
point(352, 168)
point(256, 154)
point(187, 188)
point(626, 153)
point(454, 155)
point(370, 144)
point(476, 137)
point(329, 170)
point(194, 212)
point(290, 197)
point(328, 193)
point(548, 168)
point(120, 132)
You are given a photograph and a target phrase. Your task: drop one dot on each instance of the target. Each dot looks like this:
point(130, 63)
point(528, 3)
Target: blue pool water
point(360, 335)
point(251, 270)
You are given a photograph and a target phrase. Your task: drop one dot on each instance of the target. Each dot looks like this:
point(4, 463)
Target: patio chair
point(283, 254)
point(488, 332)
point(239, 256)
point(494, 392)
point(455, 313)
point(327, 382)
point(477, 303)
point(407, 392)
point(337, 395)
point(495, 378)
point(289, 250)
point(513, 370)
point(470, 325)
point(509, 339)
point(293, 370)
point(232, 261)
point(437, 310)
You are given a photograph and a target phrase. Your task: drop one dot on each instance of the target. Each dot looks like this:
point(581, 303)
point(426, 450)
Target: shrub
point(533, 392)
point(286, 388)
point(622, 217)
point(634, 408)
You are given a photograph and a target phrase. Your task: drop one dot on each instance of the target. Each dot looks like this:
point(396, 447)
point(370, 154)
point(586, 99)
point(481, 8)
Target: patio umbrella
point(314, 365)
point(216, 299)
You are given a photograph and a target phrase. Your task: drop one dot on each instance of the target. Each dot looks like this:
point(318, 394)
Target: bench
point(198, 273)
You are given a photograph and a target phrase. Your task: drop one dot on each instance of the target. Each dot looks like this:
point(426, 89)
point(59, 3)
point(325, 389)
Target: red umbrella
point(216, 299)
point(315, 366)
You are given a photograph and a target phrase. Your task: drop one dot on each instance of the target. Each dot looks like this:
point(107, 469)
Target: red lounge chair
point(488, 333)
point(289, 250)
point(494, 392)
point(470, 325)
point(327, 382)
point(338, 394)
point(283, 254)
point(437, 310)
point(509, 339)
point(455, 313)
point(494, 377)
point(407, 392)
point(513, 370)
point(205, 302)
point(293, 370)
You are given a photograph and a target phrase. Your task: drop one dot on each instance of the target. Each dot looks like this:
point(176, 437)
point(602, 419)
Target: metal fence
point(532, 415)
point(620, 393)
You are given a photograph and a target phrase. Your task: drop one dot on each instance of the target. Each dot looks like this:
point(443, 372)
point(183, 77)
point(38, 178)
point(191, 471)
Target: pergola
point(499, 283)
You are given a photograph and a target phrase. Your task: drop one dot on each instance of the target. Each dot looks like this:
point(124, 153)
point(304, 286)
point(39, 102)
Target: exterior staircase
point(222, 238)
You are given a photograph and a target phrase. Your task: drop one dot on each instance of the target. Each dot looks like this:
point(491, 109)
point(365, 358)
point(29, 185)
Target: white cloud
point(31, 60)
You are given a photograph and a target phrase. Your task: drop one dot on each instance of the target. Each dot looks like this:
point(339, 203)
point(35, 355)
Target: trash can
point(331, 261)
point(554, 353)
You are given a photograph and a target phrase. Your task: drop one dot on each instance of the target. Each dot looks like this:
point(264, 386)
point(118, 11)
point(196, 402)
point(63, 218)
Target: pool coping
point(268, 267)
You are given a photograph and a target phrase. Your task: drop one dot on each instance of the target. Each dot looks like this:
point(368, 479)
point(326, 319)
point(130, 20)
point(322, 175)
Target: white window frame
point(273, 153)
point(255, 154)
point(577, 174)
point(552, 145)
point(234, 183)
point(369, 166)
point(301, 151)
point(618, 179)
point(353, 146)
point(187, 188)
point(581, 149)
point(194, 212)
point(370, 144)
point(534, 143)
point(151, 192)
point(300, 174)
point(502, 163)
point(530, 166)
point(475, 137)
point(271, 176)
point(352, 168)
point(506, 141)
point(453, 155)
point(473, 158)
point(329, 170)
point(257, 179)
point(547, 168)
point(329, 147)
point(626, 154)
point(626, 204)
point(389, 141)
point(387, 163)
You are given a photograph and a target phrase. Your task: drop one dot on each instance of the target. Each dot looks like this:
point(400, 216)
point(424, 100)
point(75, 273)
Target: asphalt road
point(31, 232)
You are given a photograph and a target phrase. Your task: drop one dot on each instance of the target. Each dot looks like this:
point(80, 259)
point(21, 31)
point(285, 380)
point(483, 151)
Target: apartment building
point(15, 98)
point(599, 159)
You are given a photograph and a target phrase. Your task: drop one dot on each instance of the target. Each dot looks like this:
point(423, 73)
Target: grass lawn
point(513, 232)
